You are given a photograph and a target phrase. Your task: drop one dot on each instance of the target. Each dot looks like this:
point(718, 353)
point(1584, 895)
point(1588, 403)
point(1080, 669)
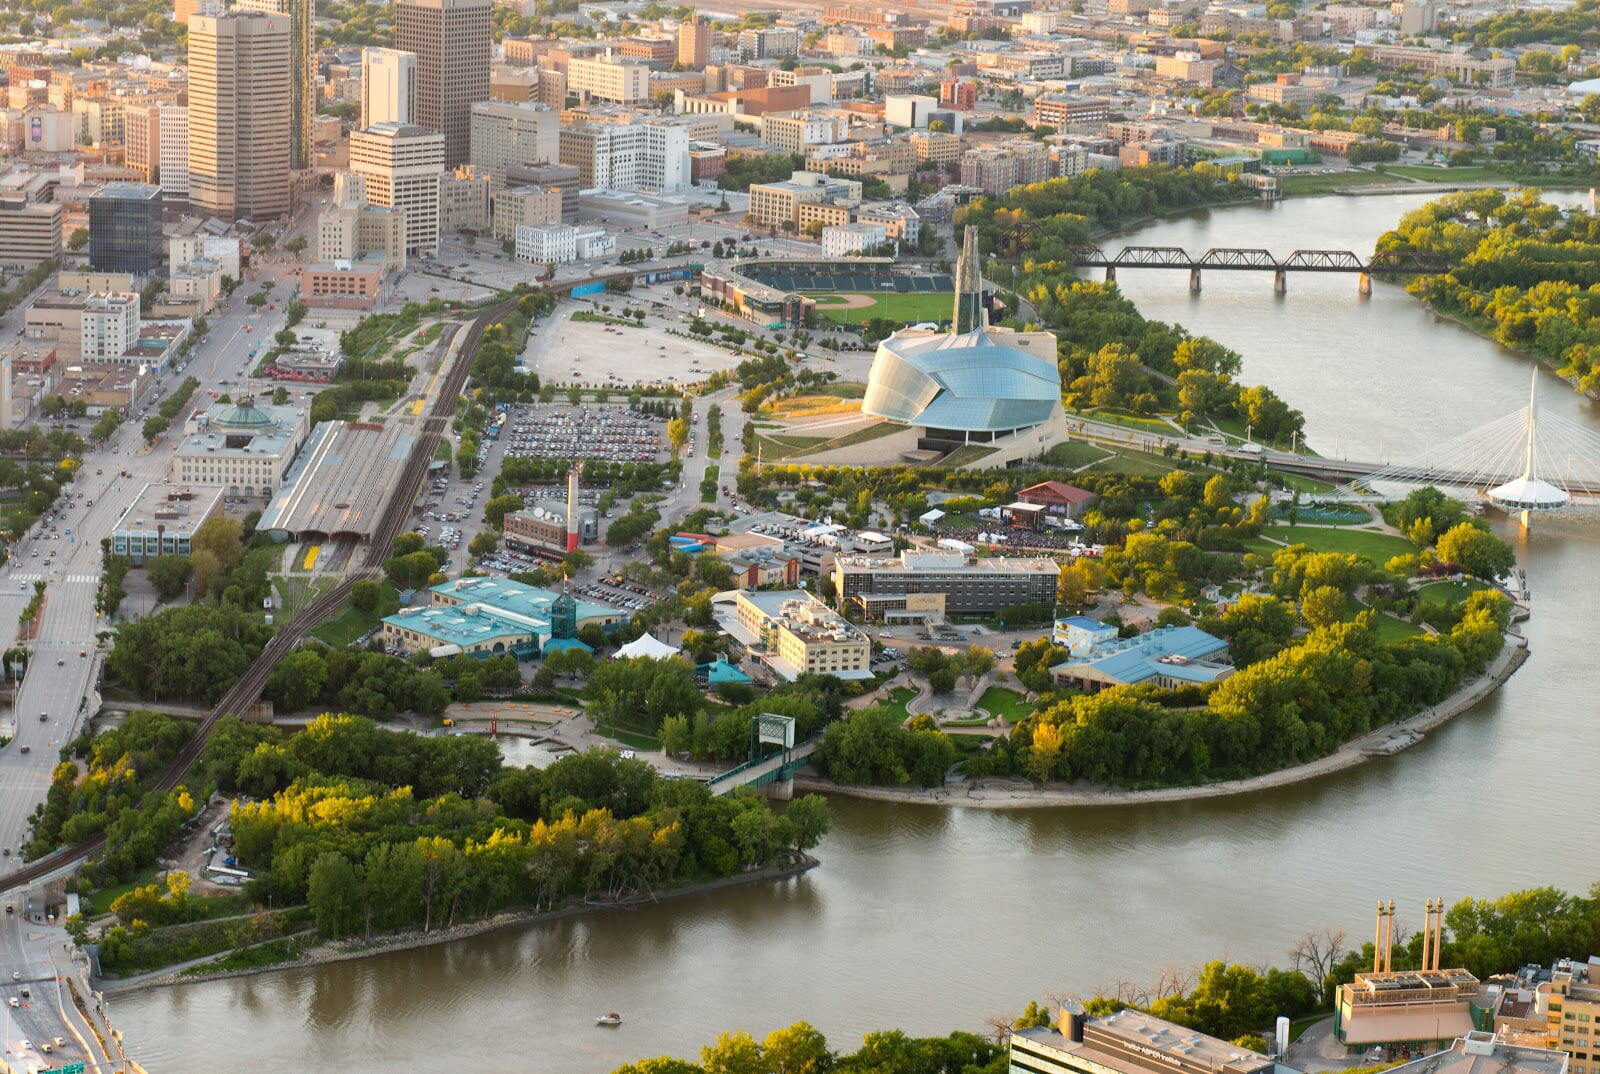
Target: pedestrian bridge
point(778, 767)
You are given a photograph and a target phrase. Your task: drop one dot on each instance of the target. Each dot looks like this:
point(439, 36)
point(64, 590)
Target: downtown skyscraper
point(239, 115)
point(451, 41)
point(302, 16)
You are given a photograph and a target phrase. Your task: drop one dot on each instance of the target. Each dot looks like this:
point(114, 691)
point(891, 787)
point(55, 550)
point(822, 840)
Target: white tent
point(928, 518)
point(646, 645)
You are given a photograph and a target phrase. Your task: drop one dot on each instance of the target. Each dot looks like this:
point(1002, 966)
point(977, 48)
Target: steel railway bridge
point(1251, 259)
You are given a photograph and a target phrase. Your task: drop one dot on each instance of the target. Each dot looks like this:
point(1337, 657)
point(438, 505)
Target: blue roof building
point(973, 385)
point(484, 617)
point(1080, 634)
point(720, 671)
point(1167, 656)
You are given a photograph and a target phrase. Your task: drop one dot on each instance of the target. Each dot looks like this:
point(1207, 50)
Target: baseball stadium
point(849, 292)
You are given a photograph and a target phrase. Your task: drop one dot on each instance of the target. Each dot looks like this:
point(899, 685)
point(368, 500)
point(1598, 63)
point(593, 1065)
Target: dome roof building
point(975, 384)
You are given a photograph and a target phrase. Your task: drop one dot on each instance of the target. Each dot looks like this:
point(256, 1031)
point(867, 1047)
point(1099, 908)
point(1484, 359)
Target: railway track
point(247, 691)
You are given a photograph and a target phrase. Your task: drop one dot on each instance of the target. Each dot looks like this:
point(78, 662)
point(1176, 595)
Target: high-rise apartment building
point(239, 114)
point(450, 39)
point(694, 43)
point(157, 144)
point(609, 80)
point(388, 87)
point(302, 16)
point(505, 134)
point(651, 157)
point(402, 166)
point(125, 228)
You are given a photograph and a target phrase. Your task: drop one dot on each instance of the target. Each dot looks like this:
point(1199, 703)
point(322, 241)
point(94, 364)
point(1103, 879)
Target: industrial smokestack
point(572, 506)
point(1388, 939)
point(1377, 940)
point(1427, 934)
point(1438, 930)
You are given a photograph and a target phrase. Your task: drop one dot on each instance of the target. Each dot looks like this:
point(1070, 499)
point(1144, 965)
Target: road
point(41, 955)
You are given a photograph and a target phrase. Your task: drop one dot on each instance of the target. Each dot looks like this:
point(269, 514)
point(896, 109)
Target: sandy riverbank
point(405, 941)
point(1349, 755)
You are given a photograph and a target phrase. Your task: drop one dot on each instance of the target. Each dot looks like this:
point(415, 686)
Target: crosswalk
point(95, 579)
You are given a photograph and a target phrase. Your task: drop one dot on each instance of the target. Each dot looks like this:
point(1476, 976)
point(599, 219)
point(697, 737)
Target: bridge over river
point(1255, 259)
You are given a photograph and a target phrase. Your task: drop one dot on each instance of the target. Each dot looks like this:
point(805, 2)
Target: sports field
point(854, 307)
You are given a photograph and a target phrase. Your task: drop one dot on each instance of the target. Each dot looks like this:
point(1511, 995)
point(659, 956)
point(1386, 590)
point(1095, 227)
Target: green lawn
point(1305, 484)
point(1009, 705)
point(1138, 464)
point(636, 739)
point(1311, 185)
point(909, 308)
point(861, 436)
point(1449, 593)
point(1378, 547)
point(352, 622)
point(843, 389)
point(1126, 419)
point(1076, 453)
point(1471, 174)
point(1390, 629)
point(897, 701)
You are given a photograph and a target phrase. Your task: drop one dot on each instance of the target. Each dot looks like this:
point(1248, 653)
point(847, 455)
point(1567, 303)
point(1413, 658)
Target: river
point(932, 919)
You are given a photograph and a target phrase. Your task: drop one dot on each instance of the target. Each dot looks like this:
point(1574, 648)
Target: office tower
point(302, 16)
point(30, 232)
point(388, 87)
point(402, 166)
point(157, 143)
point(125, 228)
point(694, 43)
point(450, 39)
point(504, 134)
point(239, 115)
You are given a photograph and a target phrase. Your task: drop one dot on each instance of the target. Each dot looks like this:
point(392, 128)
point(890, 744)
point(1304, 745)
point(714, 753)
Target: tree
point(78, 239)
point(733, 1053)
point(677, 434)
point(298, 680)
point(1322, 606)
point(169, 574)
point(1315, 953)
point(796, 1049)
point(334, 895)
point(1476, 551)
point(365, 594)
point(808, 814)
point(221, 537)
point(483, 542)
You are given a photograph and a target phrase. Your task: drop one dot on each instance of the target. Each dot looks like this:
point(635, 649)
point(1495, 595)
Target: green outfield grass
point(910, 308)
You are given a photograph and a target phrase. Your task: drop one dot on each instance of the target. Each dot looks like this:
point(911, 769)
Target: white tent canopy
point(646, 645)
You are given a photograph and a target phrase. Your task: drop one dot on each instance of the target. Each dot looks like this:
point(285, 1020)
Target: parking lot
point(564, 351)
point(613, 432)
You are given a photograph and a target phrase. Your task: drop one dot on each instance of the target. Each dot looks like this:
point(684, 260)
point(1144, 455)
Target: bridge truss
point(1255, 259)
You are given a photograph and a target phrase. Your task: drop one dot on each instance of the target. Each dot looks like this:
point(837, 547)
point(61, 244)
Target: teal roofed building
point(484, 617)
point(1167, 656)
point(720, 671)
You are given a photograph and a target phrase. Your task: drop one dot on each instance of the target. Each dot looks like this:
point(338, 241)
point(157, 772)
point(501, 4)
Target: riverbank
point(345, 951)
point(1352, 753)
point(1478, 328)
